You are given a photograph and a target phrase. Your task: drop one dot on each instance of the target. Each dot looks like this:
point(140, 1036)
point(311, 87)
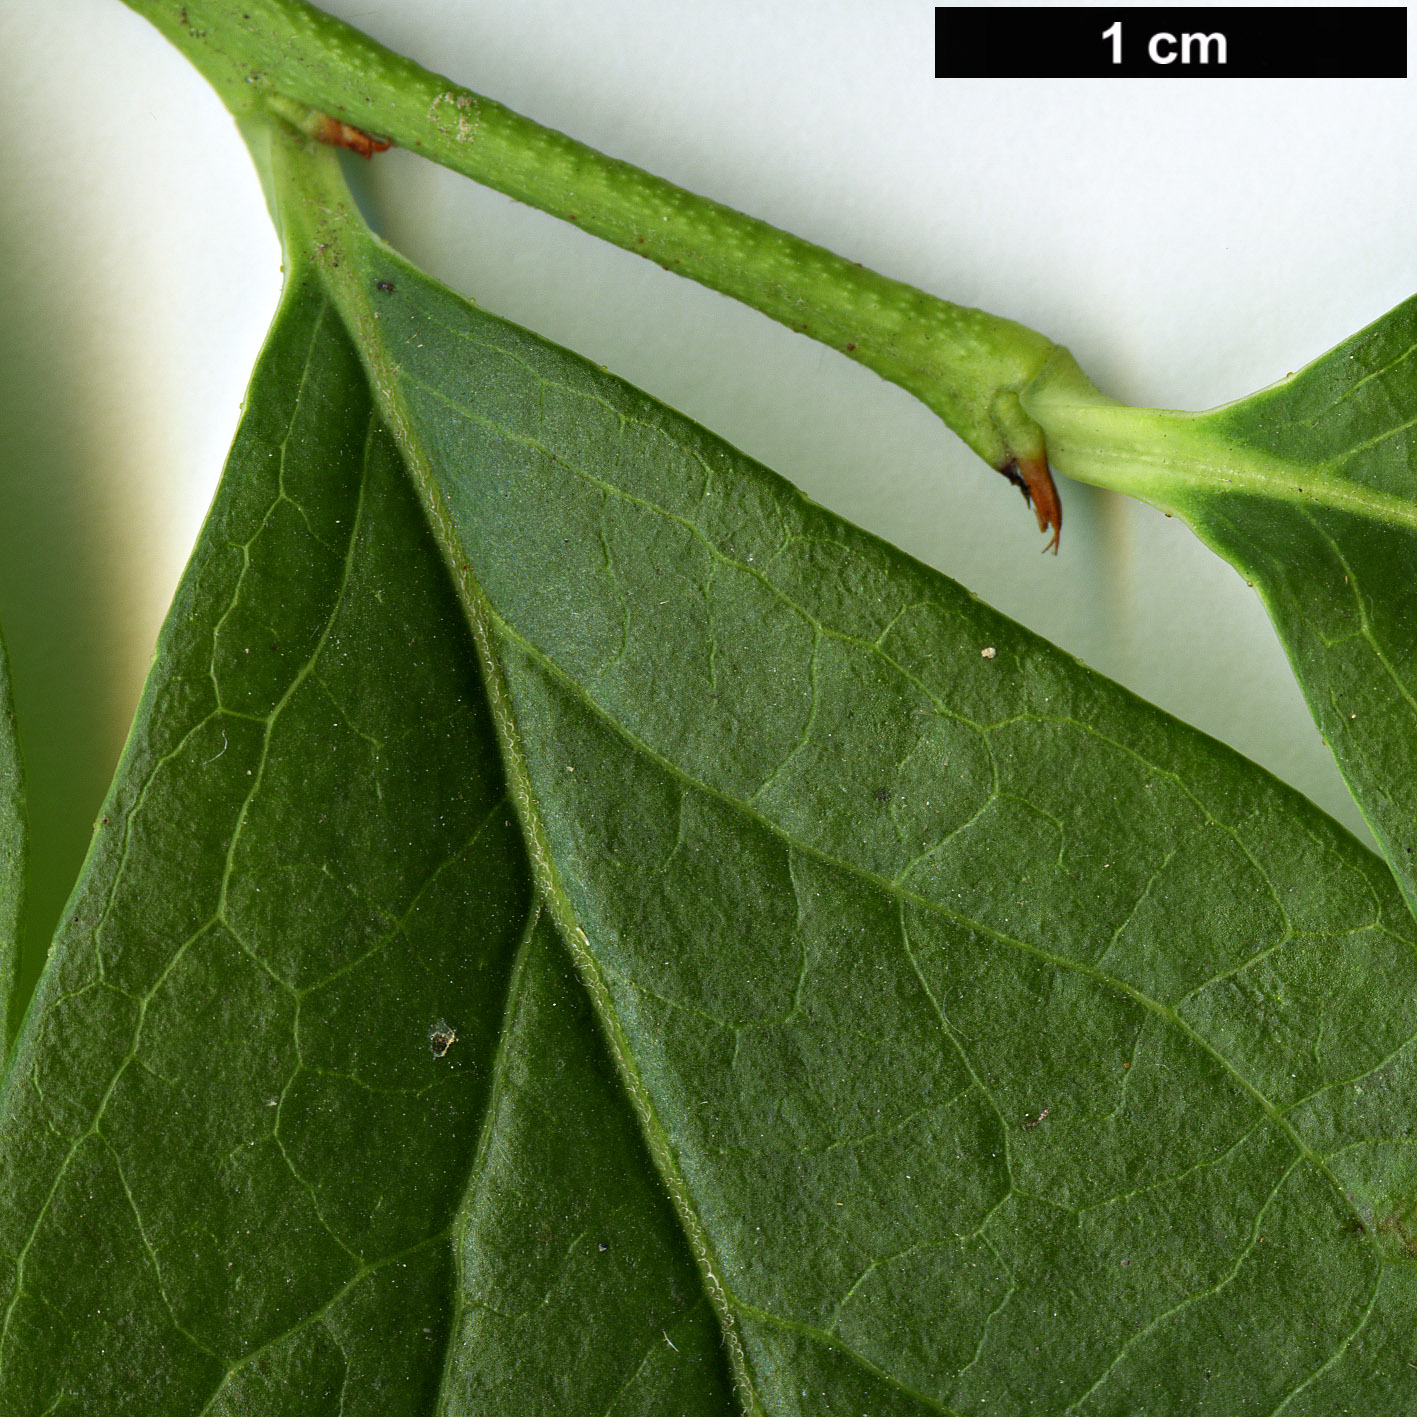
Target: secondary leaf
point(1308, 489)
point(12, 851)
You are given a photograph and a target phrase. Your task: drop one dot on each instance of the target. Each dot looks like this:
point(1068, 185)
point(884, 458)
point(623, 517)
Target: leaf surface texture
point(579, 928)
point(966, 989)
point(262, 1089)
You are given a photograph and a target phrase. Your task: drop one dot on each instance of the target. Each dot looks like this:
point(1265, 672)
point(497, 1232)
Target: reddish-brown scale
point(1032, 477)
point(339, 134)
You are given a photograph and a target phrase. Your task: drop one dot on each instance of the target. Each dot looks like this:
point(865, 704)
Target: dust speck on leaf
point(988, 651)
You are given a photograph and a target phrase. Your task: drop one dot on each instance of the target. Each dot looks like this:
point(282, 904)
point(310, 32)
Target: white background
point(1189, 240)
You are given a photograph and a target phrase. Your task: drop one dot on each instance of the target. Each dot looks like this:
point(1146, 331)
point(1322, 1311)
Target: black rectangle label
point(1243, 42)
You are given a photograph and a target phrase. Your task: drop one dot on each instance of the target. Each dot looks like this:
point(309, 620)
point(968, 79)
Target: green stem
point(1182, 462)
point(969, 367)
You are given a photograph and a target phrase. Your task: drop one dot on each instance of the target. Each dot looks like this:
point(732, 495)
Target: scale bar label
point(1178, 42)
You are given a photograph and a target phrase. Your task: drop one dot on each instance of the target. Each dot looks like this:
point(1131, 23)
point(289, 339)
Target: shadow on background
point(61, 619)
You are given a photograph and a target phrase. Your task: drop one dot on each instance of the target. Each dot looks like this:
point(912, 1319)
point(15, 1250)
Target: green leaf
point(12, 852)
point(632, 943)
point(1000, 1042)
point(1307, 488)
point(262, 1071)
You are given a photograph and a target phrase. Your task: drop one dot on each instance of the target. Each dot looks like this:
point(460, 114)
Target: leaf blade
point(511, 1316)
point(261, 1082)
point(689, 854)
point(147, 984)
point(1336, 580)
